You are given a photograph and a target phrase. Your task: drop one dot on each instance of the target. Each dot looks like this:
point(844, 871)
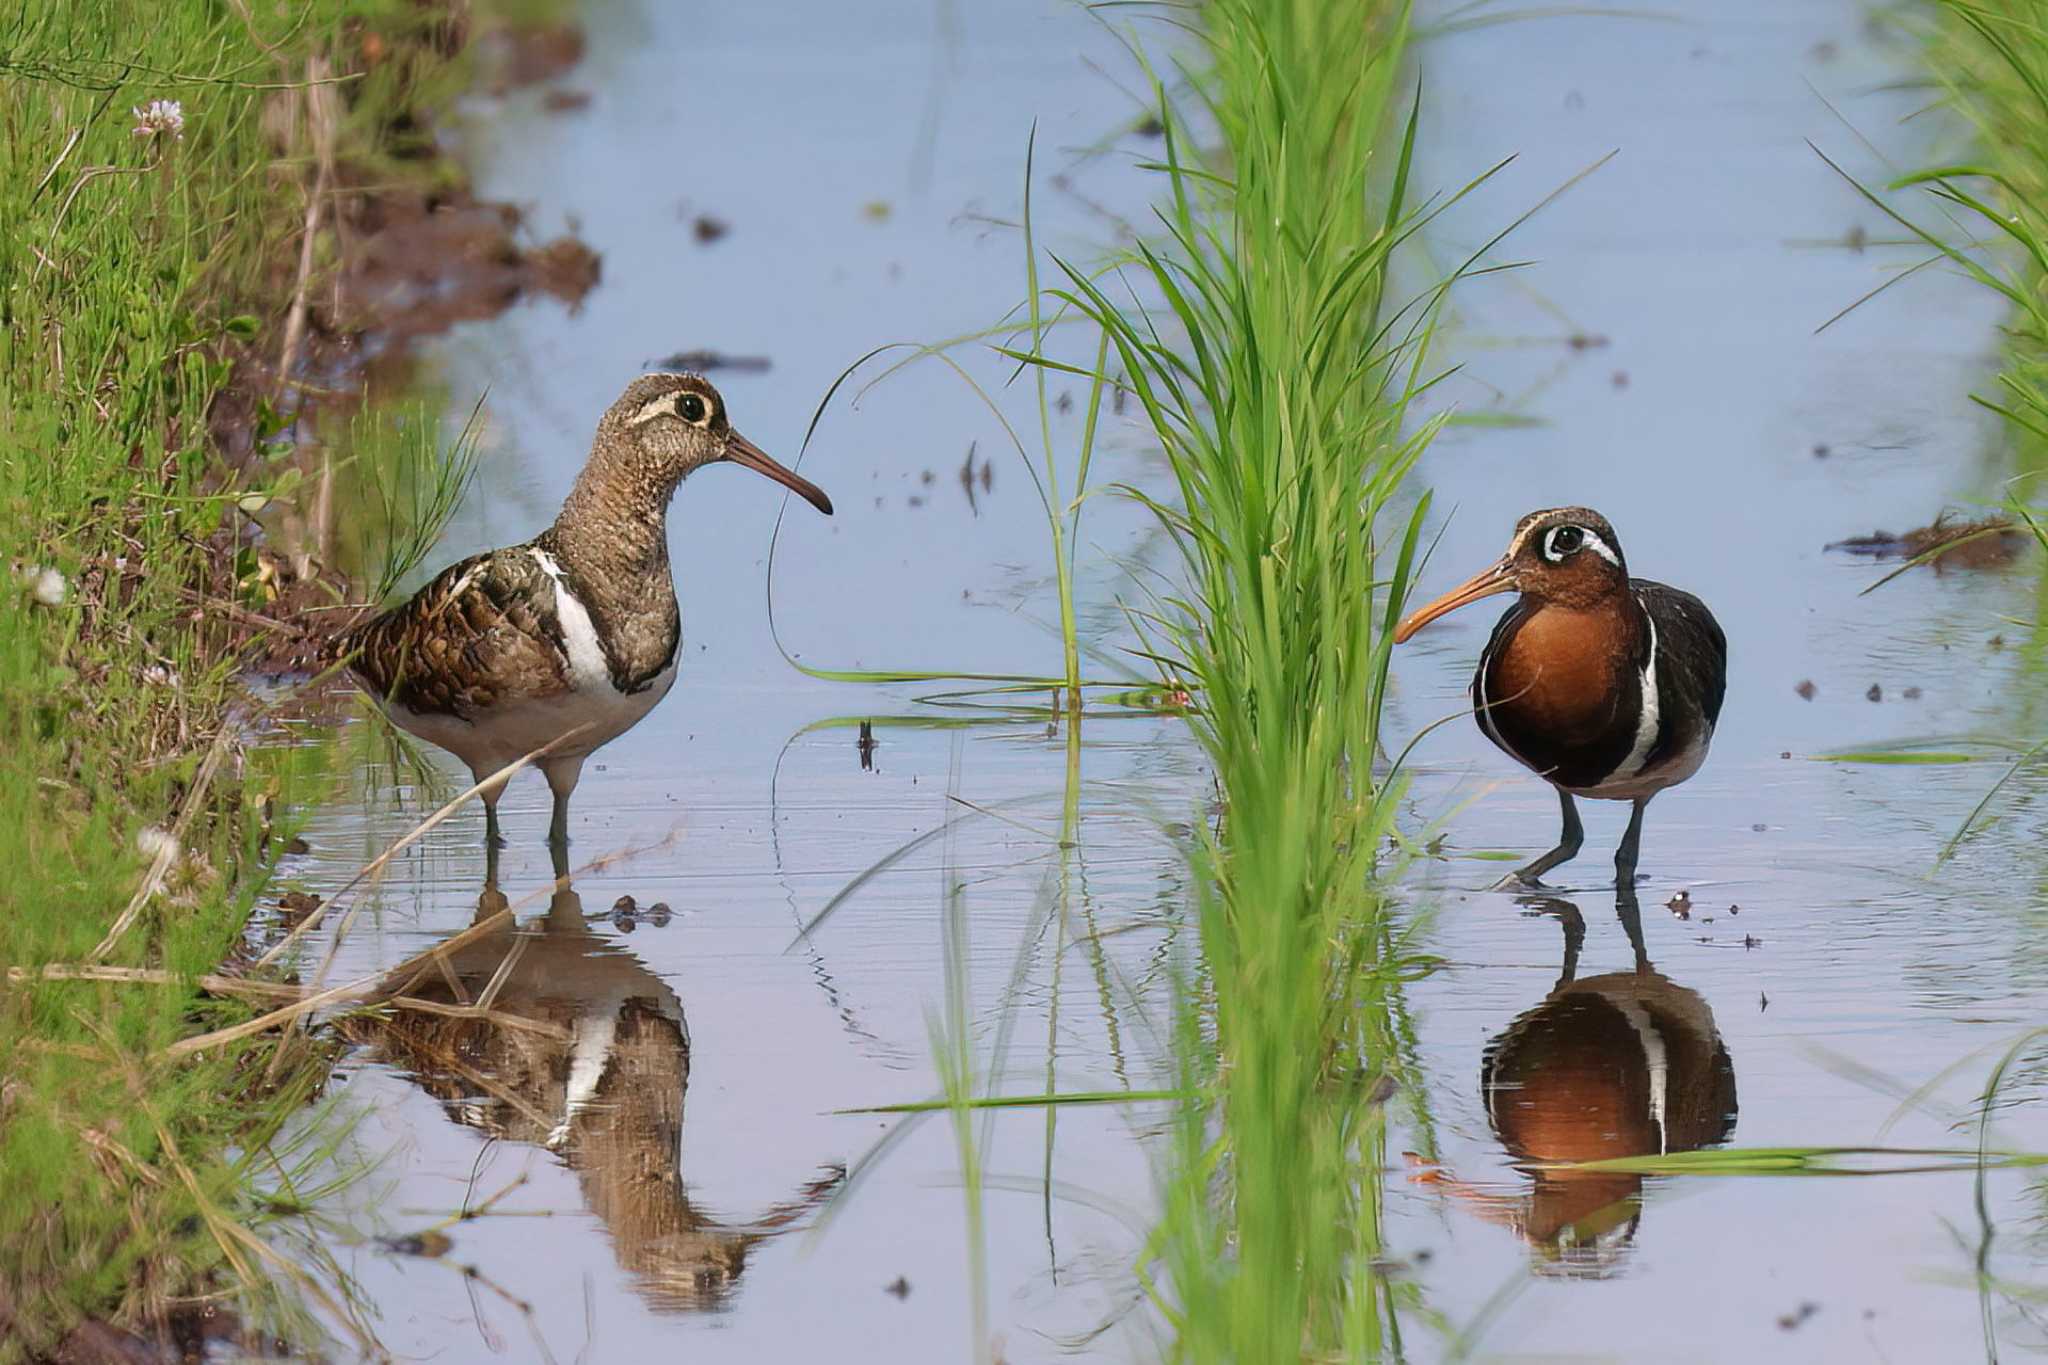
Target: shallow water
point(868, 166)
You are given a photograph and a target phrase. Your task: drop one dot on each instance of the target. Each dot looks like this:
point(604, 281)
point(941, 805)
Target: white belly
point(1650, 781)
point(499, 736)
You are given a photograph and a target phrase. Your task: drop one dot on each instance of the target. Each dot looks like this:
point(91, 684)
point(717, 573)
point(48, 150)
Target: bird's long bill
point(742, 451)
point(1496, 579)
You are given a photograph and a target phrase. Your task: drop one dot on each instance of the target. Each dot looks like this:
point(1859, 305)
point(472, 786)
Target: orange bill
point(742, 451)
point(1487, 582)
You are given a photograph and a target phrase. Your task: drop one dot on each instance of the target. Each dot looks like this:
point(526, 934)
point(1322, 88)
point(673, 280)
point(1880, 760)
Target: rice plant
point(1991, 60)
point(1259, 335)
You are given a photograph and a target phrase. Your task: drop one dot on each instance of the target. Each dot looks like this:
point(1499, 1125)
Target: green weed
point(136, 813)
point(1277, 372)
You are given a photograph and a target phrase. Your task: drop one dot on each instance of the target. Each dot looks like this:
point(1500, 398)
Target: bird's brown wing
point(485, 632)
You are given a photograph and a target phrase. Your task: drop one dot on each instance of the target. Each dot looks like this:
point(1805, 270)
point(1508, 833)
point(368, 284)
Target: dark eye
point(1566, 540)
point(690, 408)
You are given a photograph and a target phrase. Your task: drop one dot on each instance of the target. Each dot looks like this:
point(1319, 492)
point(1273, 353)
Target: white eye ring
point(1587, 541)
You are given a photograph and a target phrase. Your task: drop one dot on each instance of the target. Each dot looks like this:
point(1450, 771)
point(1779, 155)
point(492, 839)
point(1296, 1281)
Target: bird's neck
point(611, 541)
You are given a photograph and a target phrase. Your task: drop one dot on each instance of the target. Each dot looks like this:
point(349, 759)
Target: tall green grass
point(132, 269)
point(1277, 371)
point(1989, 59)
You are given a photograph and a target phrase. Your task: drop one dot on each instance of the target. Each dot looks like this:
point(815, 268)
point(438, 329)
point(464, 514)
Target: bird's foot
point(1519, 881)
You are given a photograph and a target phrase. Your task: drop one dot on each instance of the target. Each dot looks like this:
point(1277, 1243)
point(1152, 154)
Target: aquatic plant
point(1278, 376)
point(1991, 60)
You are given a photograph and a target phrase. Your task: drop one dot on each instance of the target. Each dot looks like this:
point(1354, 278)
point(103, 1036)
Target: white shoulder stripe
point(1657, 1061)
point(587, 666)
point(1646, 720)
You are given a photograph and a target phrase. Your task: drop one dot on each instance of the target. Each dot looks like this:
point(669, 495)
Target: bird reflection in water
point(1623, 1064)
point(585, 1052)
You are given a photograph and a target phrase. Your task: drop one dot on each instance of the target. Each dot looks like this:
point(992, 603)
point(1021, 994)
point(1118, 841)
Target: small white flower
point(160, 116)
point(47, 585)
point(154, 841)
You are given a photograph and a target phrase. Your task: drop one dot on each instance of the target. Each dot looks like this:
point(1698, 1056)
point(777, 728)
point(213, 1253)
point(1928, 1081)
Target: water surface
point(869, 167)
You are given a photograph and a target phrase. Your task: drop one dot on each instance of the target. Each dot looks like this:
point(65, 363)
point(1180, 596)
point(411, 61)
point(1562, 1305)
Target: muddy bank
point(401, 258)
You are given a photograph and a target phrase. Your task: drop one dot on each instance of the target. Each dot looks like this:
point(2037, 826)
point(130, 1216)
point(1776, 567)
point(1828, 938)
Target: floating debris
point(431, 1244)
point(1875, 693)
point(1680, 905)
point(294, 906)
point(899, 1286)
point(1805, 689)
point(707, 229)
point(565, 101)
point(1789, 1321)
point(967, 478)
point(865, 746)
point(703, 361)
point(1984, 543)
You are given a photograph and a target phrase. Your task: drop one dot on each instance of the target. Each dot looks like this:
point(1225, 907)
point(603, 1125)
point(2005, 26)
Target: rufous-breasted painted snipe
point(575, 630)
point(1601, 684)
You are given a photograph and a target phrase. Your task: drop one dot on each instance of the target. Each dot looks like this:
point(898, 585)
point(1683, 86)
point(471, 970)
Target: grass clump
point(1990, 58)
point(155, 170)
point(1277, 372)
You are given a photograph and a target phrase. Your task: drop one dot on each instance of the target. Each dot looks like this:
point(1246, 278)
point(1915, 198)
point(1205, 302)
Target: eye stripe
point(1584, 540)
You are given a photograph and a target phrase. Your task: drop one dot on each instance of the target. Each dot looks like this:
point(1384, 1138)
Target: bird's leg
point(492, 839)
point(562, 774)
point(1631, 842)
point(1568, 842)
point(1574, 932)
point(1631, 915)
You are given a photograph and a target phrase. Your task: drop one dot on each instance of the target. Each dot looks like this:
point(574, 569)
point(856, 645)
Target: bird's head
point(667, 425)
point(1566, 555)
